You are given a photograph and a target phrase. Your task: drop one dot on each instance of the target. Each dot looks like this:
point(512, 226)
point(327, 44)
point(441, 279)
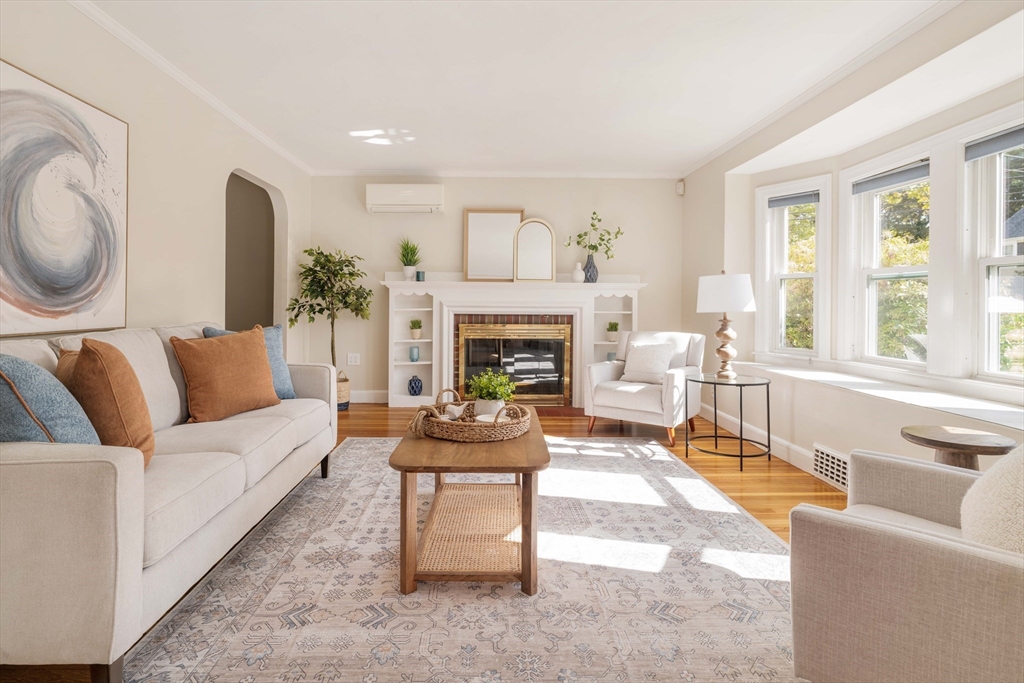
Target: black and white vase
point(590, 270)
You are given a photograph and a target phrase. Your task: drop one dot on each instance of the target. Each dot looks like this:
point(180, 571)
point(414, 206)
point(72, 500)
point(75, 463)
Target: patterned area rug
point(647, 573)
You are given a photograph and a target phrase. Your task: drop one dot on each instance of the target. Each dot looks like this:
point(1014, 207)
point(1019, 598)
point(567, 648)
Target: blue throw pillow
point(273, 337)
point(35, 406)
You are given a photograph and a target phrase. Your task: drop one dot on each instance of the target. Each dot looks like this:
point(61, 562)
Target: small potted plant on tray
point(409, 254)
point(491, 390)
point(613, 331)
point(415, 328)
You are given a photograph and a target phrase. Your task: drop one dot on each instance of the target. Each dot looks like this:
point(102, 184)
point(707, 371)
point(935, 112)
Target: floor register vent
point(831, 465)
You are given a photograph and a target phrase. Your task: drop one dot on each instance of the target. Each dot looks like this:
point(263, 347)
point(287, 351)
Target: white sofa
point(606, 395)
point(94, 549)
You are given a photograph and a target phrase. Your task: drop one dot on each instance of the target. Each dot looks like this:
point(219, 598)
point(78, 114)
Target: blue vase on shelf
point(415, 386)
point(414, 353)
point(590, 269)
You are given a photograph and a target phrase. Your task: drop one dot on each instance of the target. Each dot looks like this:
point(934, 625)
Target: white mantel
point(437, 302)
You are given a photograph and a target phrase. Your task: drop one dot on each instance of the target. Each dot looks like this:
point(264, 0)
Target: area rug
point(646, 573)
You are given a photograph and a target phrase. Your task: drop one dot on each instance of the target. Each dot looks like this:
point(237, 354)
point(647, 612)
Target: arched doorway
point(249, 255)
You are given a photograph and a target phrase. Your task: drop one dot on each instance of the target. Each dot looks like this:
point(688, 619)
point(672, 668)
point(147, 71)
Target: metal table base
point(741, 382)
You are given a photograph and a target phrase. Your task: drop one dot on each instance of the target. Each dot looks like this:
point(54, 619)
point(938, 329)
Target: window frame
point(771, 258)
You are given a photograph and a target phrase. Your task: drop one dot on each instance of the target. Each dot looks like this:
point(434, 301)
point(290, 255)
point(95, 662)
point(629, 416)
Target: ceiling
point(582, 89)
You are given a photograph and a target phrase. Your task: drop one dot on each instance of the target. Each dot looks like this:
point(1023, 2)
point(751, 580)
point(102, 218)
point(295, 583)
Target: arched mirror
point(534, 251)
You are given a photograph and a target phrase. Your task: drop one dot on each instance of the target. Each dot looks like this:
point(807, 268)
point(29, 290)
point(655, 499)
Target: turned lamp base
point(725, 352)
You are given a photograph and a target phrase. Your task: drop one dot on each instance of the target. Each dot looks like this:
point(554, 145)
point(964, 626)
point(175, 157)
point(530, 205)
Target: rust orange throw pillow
point(104, 383)
point(226, 375)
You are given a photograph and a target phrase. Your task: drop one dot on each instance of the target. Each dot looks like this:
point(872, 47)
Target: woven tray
point(466, 429)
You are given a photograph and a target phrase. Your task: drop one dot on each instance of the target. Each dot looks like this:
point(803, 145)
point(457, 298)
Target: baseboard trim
point(790, 452)
point(370, 396)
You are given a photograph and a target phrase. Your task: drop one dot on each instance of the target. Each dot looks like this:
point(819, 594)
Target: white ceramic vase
point(613, 336)
point(578, 276)
point(409, 272)
point(415, 334)
point(488, 407)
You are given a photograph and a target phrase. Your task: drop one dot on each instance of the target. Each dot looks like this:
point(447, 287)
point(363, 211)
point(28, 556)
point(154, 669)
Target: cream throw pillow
point(648, 364)
point(992, 511)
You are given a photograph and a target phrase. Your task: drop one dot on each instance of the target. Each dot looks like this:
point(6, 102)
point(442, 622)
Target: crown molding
point(134, 42)
point(497, 174)
point(911, 27)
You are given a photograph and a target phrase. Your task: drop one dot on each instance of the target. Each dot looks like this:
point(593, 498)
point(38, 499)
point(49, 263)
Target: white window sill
point(937, 397)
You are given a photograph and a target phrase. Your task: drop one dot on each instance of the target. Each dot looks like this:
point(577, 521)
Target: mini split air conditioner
point(404, 198)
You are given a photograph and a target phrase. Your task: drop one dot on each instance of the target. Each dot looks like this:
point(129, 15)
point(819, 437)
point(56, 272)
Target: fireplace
point(537, 355)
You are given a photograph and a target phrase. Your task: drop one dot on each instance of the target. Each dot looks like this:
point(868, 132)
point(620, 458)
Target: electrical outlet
point(353, 359)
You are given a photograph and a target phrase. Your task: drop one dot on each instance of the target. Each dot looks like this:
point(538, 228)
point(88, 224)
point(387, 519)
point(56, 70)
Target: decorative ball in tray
point(434, 421)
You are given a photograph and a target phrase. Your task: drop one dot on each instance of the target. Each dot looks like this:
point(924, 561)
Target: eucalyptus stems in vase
point(594, 240)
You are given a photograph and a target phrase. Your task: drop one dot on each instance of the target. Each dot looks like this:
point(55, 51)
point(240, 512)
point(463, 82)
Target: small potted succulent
point(415, 328)
point(409, 254)
point(613, 331)
point(491, 390)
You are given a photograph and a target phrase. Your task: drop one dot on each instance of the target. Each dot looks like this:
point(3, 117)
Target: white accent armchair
point(887, 590)
point(608, 396)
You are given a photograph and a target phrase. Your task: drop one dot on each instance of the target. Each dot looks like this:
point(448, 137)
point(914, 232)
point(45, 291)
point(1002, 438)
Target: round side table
point(740, 382)
point(958, 446)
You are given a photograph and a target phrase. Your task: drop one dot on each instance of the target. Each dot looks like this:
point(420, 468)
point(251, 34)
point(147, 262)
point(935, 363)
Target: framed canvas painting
point(63, 210)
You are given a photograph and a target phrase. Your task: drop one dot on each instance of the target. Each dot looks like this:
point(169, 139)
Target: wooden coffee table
point(473, 532)
point(958, 446)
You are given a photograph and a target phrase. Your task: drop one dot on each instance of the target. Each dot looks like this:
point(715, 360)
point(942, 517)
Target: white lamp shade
point(724, 293)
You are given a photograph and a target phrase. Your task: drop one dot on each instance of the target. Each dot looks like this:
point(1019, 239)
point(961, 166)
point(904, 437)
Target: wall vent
point(831, 465)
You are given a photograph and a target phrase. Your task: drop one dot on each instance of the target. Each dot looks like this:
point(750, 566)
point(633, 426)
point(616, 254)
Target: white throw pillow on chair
point(992, 511)
point(648, 364)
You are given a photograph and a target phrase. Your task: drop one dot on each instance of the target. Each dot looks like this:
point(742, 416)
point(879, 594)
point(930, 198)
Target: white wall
point(649, 212)
point(180, 154)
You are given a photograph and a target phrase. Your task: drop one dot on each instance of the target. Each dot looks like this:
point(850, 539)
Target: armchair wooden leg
point(325, 466)
point(671, 435)
point(590, 425)
point(693, 425)
point(107, 673)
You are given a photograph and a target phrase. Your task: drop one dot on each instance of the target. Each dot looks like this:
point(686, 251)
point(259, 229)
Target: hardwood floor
point(768, 490)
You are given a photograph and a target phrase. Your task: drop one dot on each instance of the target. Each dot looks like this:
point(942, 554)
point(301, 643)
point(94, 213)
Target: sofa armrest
point(673, 395)
point(914, 487)
point(879, 602)
point(317, 380)
point(607, 371)
point(71, 538)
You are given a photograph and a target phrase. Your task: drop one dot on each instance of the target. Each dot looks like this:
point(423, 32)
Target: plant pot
point(482, 407)
point(344, 390)
point(409, 272)
point(613, 336)
point(590, 270)
point(578, 275)
point(416, 334)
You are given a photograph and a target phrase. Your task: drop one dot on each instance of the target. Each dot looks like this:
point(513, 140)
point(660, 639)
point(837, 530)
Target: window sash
point(989, 323)
point(779, 344)
point(779, 227)
point(871, 277)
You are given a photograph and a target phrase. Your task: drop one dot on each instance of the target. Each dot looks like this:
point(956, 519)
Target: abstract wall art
point(63, 210)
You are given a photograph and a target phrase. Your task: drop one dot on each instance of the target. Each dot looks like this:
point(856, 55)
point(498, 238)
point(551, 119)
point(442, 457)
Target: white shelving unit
point(612, 308)
point(404, 307)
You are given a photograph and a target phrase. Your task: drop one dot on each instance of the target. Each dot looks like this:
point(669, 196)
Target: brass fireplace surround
point(539, 331)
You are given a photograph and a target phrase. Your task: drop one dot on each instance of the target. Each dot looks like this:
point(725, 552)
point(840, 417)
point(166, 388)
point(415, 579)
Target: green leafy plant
point(409, 252)
point(492, 386)
point(415, 324)
point(613, 327)
point(597, 238)
point(327, 286)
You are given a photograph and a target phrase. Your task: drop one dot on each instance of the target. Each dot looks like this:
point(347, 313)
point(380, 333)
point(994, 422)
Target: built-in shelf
point(399, 310)
point(412, 341)
point(614, 312)
point(414, 362)
point(607, 343)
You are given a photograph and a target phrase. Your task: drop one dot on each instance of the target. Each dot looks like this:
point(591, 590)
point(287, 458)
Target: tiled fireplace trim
point(511, 319)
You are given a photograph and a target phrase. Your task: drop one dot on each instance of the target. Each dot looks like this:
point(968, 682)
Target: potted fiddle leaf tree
point(328, 286)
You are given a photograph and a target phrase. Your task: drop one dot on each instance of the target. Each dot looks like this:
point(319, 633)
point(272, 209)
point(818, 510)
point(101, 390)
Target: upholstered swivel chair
point(662, 404)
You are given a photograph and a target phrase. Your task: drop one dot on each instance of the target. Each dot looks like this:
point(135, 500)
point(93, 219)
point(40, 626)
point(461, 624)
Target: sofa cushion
point(882, 514)
point(273, 337)
point(190, 331)
point(183, 492)
point(262, 442)
point(109, 392)
point(992, 511)
point(308, 415)
point(226, 375)
point(145, 354)
point(629, 396)
point(36, 351)
point(34, 406)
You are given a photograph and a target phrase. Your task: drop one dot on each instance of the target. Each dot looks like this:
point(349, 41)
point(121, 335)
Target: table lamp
point(721, 294)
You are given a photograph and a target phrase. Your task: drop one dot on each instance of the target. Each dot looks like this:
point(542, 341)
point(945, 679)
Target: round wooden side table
point(958, 446)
